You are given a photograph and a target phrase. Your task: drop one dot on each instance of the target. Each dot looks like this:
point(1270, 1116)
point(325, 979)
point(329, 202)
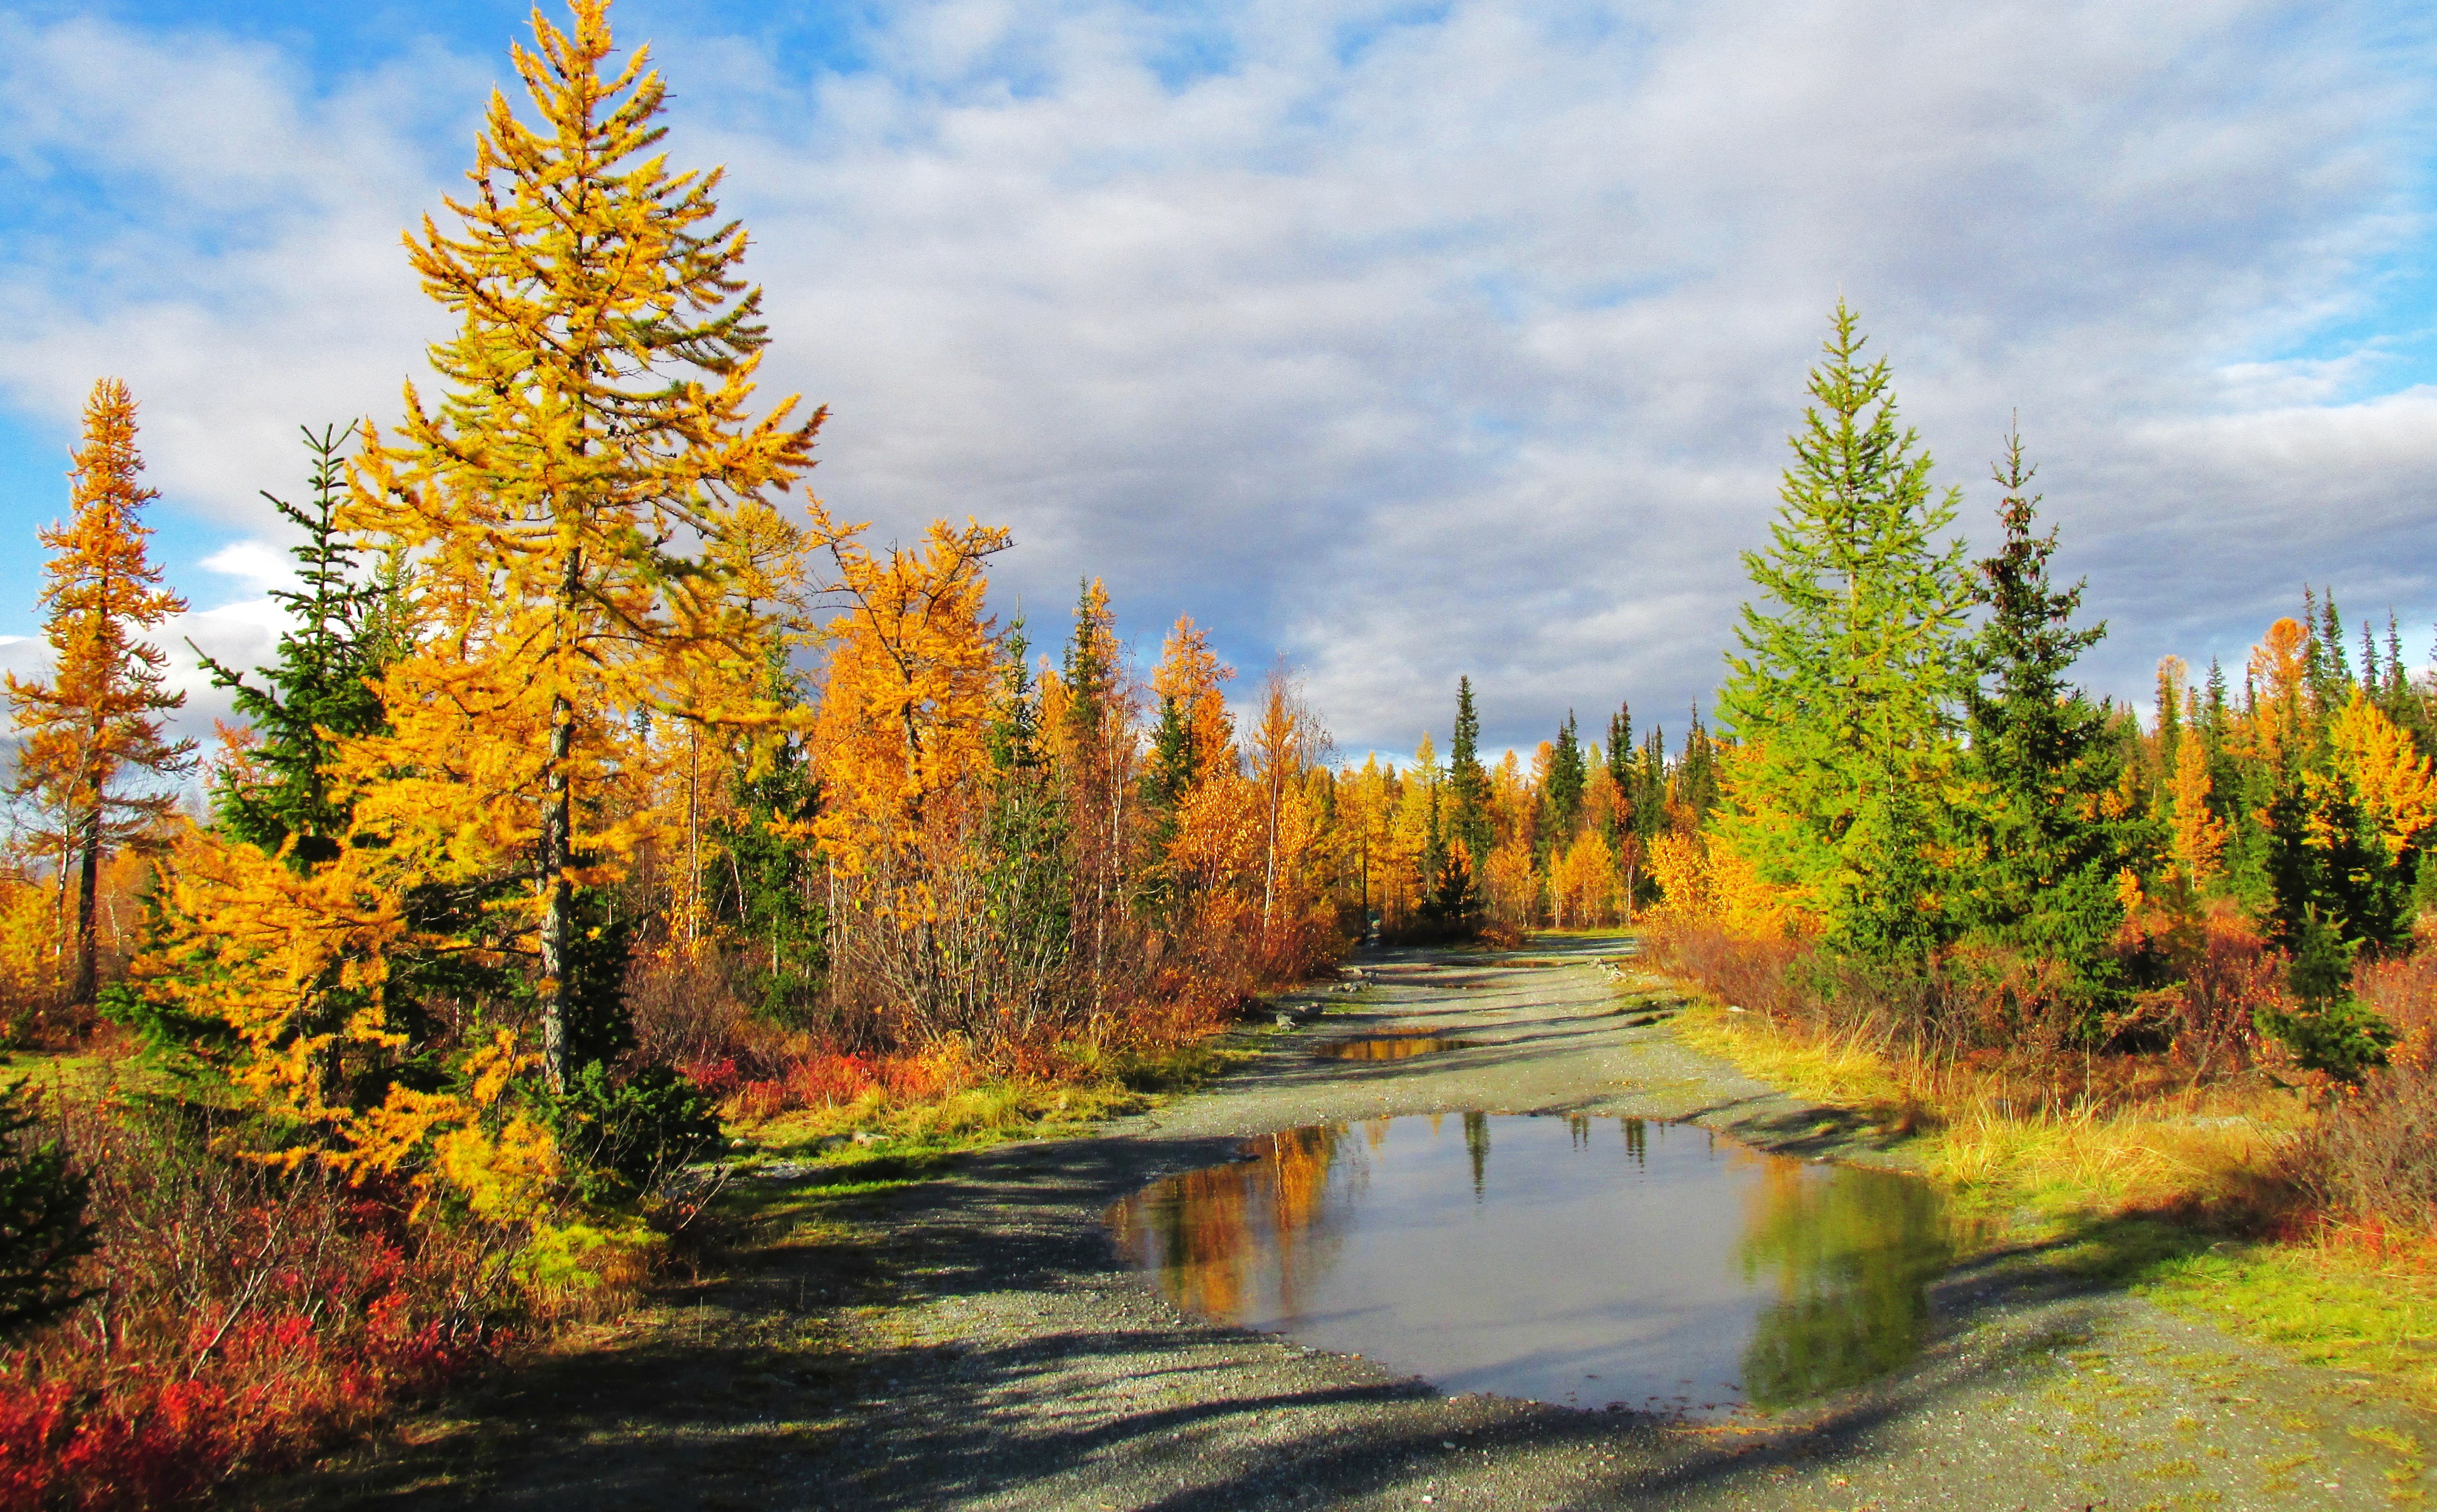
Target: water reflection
point(1654, 1266)
point(1398, 1047)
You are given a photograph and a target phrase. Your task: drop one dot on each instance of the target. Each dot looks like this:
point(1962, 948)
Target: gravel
point(978, 1345)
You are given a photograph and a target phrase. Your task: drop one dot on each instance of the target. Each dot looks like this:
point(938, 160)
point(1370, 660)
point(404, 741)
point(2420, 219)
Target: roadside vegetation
point(612, 811)
point(2152, 994)
point(607, 802)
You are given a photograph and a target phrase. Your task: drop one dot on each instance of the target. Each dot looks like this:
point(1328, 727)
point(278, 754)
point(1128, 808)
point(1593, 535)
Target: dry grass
point(2005, 1140)
point(2287, 1219)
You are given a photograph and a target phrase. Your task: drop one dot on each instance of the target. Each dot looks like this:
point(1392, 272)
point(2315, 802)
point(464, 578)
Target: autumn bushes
point(235, 1315)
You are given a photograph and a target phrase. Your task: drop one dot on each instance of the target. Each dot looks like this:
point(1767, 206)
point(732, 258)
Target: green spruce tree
point(1468, 783)
point(1844, 691)
point(1560, 797)
point(342, 633)
point(2044, 844)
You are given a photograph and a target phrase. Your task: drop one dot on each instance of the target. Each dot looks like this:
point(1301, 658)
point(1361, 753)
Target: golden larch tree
point(1286, 741)
point(2198, 838)
point(1191, 676)
point(588, 510)
point(91, 748)
point(2390, 775)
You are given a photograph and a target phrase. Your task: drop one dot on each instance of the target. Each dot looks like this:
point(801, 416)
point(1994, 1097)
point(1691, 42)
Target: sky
point(1398, 341)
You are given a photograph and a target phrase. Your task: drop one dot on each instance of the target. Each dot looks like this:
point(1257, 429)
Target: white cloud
point(1462, 341)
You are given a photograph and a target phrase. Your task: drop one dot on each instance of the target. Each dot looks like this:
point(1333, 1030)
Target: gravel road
point(979, 1346)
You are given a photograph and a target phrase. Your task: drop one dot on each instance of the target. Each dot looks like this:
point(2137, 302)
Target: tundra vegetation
point(607, 795)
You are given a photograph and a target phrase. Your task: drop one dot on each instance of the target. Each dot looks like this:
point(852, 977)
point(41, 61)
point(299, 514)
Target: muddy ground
point(978, 1344)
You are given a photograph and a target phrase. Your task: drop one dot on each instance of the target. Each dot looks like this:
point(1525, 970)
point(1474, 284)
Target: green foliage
point(1619, 752)
point(1696, 775)
point(43, 1227)
point(1467, 782)
point(2320, 856)
point(1169, 774)
point(636, 1131)
point(2332, 1032)
point(1561, 795)
point(342, 633)
point(2043, 836)
point(592, 999)
point(771, 896)
point(1028, 876)
point(1852, 661)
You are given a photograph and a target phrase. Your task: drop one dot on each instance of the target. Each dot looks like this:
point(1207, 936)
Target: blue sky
point(1405, 341)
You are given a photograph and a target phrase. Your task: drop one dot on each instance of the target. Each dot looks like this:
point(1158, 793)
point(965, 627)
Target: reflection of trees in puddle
point(1853, 1251)
point(1393, 1047)
point(1209, 1234)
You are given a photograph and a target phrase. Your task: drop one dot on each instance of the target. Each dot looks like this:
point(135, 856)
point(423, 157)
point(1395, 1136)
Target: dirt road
point(984, 1348)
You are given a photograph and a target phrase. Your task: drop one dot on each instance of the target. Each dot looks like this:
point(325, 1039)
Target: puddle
point(1590, 1262)
point(1393, 1048)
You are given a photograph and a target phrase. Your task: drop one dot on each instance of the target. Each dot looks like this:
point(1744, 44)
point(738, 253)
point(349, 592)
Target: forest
point(609, 795)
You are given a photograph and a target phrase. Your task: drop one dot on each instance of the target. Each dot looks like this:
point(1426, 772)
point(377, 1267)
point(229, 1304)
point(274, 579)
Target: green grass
point(2145, 1200)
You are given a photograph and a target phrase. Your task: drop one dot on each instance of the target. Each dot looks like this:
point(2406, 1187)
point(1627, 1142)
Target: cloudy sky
point(1401, 340)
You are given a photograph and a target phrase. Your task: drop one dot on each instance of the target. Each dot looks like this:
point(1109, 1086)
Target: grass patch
point(2165, 1197)
point(918, 1134)
point(1814, 1069)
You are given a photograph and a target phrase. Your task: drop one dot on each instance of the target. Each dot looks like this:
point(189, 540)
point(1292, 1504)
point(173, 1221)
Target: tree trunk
point(557, 920)
point(89, 882)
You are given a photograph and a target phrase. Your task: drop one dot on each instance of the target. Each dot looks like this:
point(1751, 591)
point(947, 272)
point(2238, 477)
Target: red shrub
point(241, 1318)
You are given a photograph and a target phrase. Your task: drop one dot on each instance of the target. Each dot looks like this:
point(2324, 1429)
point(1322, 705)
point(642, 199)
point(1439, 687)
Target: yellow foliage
point(29, 944)
point(2200, 835)
point(586, 515)
point(1582, 883)
point(1702, 879)
point(1513, 889)
point(296, 966)
point(2277, 671)
point(2387, 770)
point(907, 693)
point(1191, 674)
point(469, 1141)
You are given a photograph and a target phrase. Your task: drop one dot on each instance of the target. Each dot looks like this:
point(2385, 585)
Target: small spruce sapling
point(2332, 1032)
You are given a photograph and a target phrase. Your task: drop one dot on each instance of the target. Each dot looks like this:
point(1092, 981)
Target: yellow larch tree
point(2199, 836)
point(1191, 676)
point(912, 664)
point(1286, 742)
point(1417, 815)
point(1582, 882)
point(2278, 706)
point(2388, 772)
point(1366, 809)
point(91, 748)
point(589, 510)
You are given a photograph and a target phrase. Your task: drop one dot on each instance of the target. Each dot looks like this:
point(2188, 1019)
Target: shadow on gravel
point(739, 1397)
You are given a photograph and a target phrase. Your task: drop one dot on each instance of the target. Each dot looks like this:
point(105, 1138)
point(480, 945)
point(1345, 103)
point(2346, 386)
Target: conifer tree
point(1562, 798)
point(1626, 840)
point(1029, 881)
point(1696, 775)
point(587, 509)
point(1618, 750)
point(1469, 790)
point(1650, 784)
point(1842, 692)
point(342, 634)
point(771, 897)
point(1169, 773)
point(91, 745)
point(2045, 839)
